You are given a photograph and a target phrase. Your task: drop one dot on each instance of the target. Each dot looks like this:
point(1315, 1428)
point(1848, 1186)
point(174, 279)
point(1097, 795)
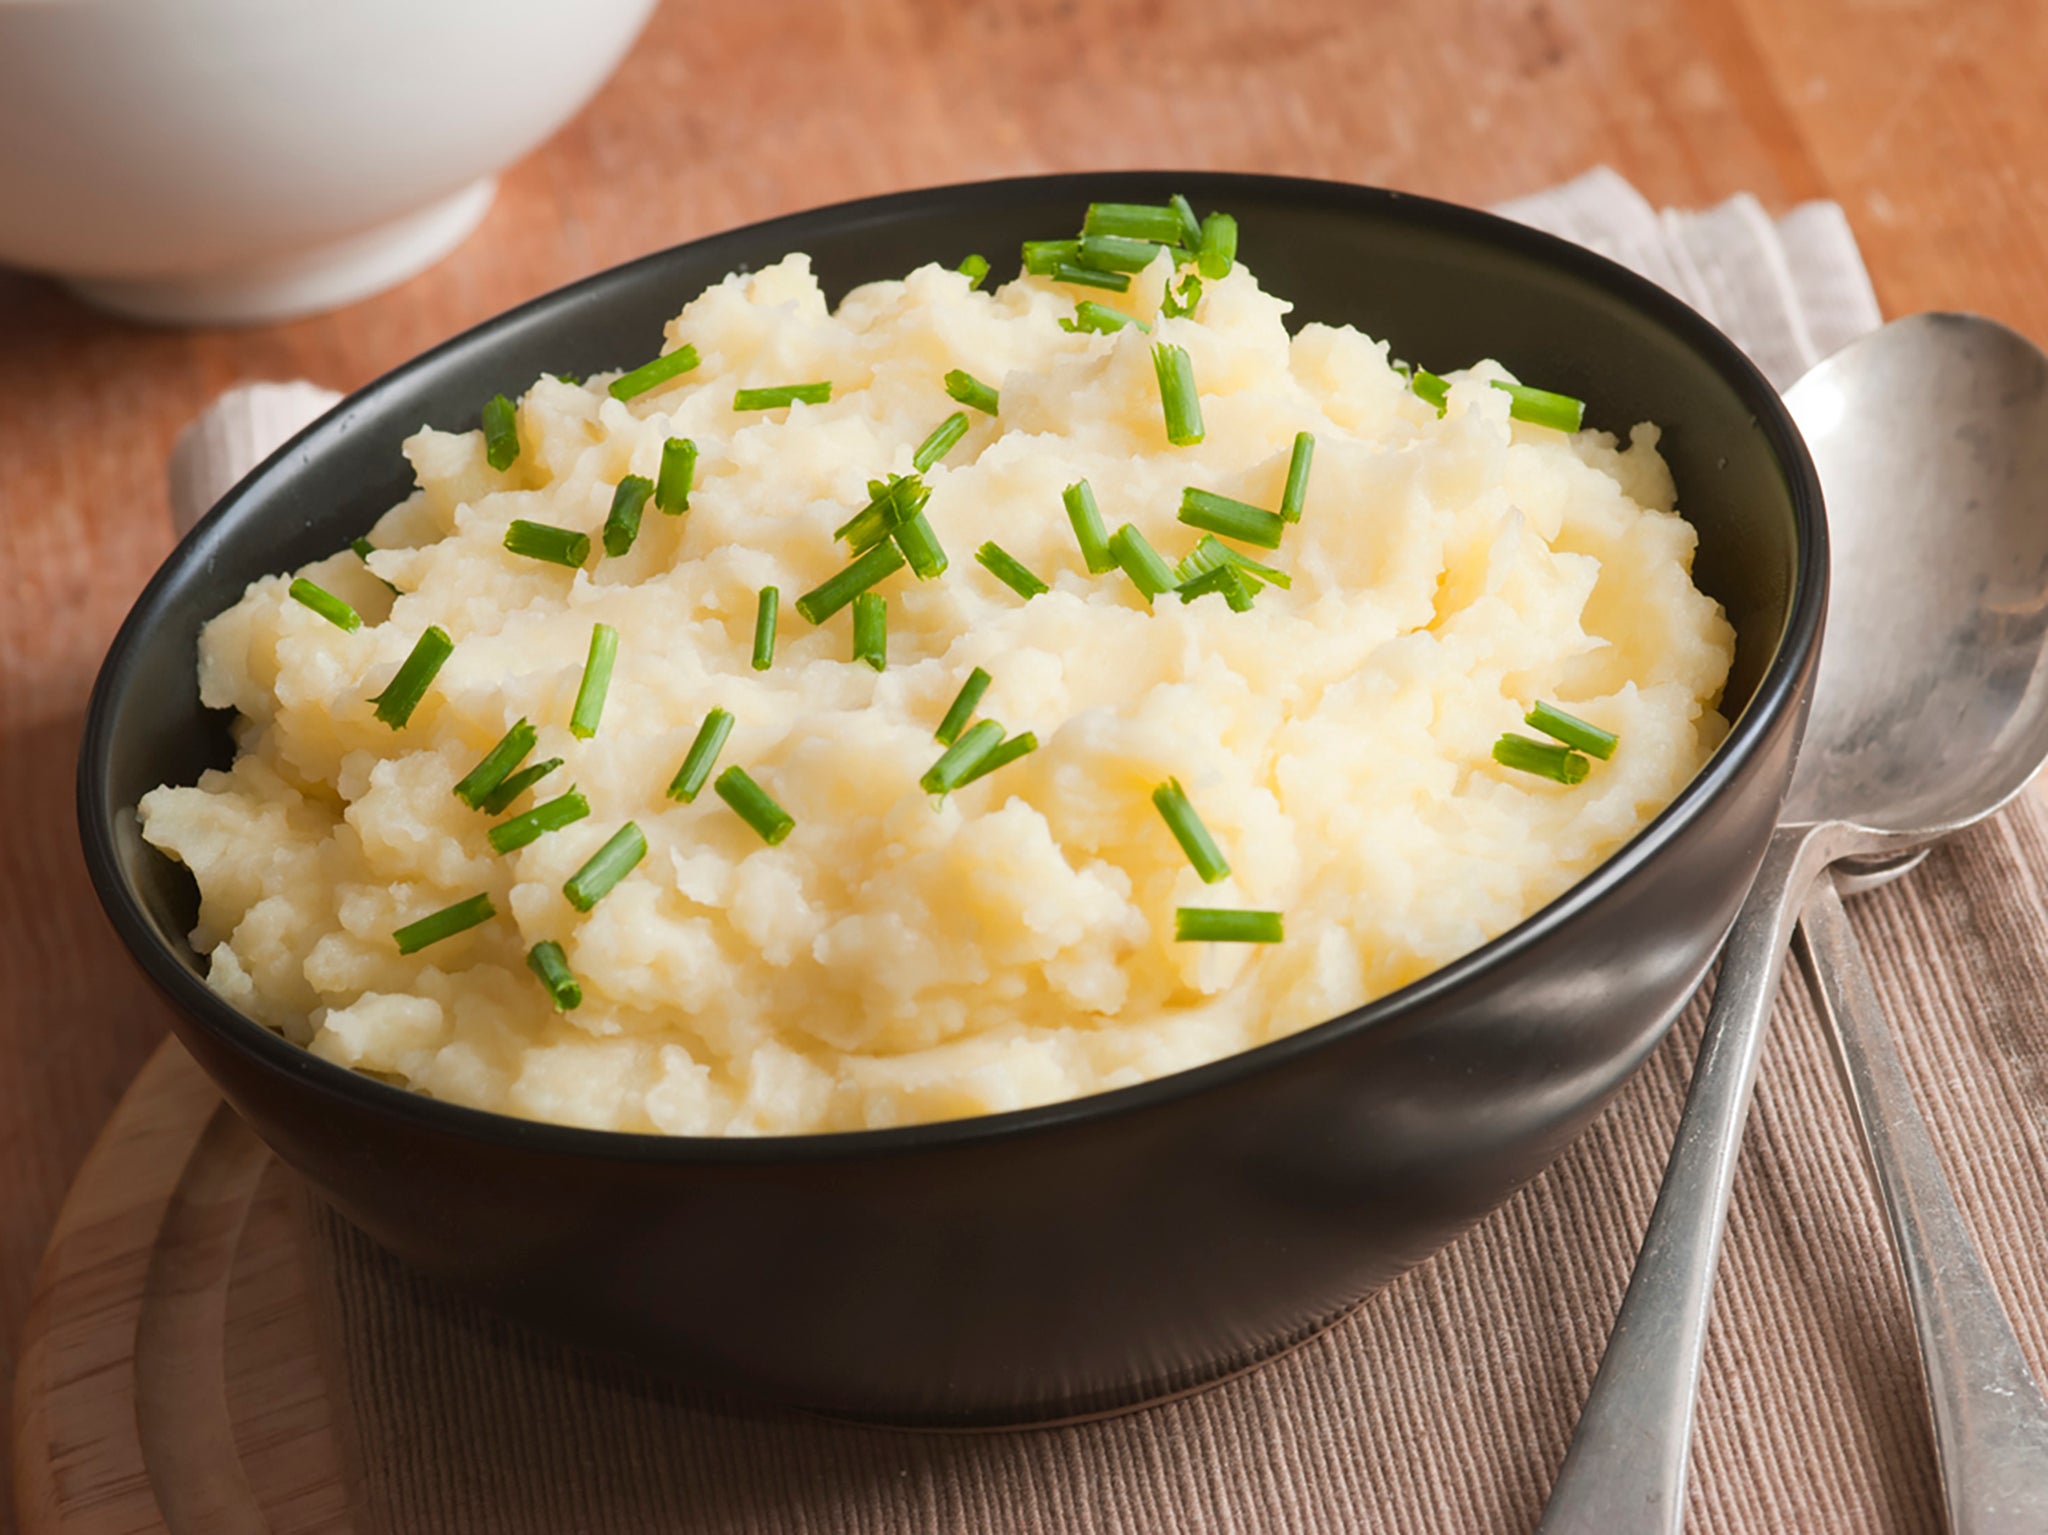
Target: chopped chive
point(1560, 764)
point(501, 432)
point(871, 630)
point(775, 396)
point(1237, 588)
point(1210, 553)
point(1219, 246)
point(969, 390)
point(530, 825)
point(1213, 924)
point(622, 522)
point(1190, 226)
point(364, 549)
point(475, 786)
point(1006, 752)
point(1115, 253)
point(1041, 256)
point(1177, 396)
point(545, 541)
point(767, 613)
point(415, 675)
point(546, 960)
point(835, 592)
point(1007, 569)
point(677, 476)
point(445, 923)
point(974, 269)
point(1428, 386)
point(1572, 730)
point(650, 375)
point(606, 867)
point(1181, 305)
point(1178, 811)
point(703, 753)
point(1137, 221)
point(940, 443)
point(1296, 493)
point(754, 805)
point(1240, 520)
point(959, 759)
point(1089, 277)
point(965, 702)
point(891, 501)
point(920, 546)
point(501, 799)
point(1086, 517)
point(1539, 407)
point(1146, 567)
point(597, 681)
point(326, 604)
point(1101, 319)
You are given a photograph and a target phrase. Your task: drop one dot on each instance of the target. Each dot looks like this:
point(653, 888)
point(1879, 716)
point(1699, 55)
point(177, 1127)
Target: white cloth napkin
point(1788, 291)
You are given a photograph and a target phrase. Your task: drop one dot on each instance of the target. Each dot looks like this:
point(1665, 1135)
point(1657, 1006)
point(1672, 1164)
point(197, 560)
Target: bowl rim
point(1778, 690)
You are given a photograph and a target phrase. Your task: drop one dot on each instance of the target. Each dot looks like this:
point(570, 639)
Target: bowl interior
point(1445, 286)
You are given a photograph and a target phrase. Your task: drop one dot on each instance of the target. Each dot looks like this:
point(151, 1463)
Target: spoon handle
point(1990, 1423)
point(1626, 1466)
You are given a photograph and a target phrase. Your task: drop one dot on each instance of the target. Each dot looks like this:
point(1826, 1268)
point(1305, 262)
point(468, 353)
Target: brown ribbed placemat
point(1444, 1403)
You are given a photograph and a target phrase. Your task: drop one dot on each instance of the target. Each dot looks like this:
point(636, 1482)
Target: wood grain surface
point(1924, 118)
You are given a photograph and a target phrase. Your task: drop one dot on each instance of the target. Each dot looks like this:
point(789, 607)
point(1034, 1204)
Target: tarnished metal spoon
point(1930, 711)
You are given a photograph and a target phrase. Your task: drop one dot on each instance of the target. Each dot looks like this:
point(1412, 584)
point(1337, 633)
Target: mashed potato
point(899, 958)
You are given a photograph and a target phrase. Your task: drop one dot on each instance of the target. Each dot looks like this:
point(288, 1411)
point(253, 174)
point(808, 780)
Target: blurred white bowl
point(239, 161)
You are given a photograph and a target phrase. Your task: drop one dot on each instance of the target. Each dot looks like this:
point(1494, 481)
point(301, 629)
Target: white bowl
point(237, 161)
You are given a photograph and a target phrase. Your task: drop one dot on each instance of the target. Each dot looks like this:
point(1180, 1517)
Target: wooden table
point(1924, 118)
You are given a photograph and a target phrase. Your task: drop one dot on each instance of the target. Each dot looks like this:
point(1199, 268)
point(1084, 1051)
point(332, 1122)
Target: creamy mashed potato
point(897, 958)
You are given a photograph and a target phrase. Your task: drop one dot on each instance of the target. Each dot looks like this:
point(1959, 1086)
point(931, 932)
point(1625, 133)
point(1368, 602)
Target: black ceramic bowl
point(1090, 1254)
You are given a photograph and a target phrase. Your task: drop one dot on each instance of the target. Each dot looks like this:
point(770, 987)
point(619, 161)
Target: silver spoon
point(1930, 712)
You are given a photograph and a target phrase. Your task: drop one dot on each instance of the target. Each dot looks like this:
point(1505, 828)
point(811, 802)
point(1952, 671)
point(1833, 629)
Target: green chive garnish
point(1428, 386)
point(597, 681)
point(1572, 730)
point(1296, 493)
point(1181, 305)
point(1177, 396)
point(1237, 588)
point(974, 269)
point(551, 815)
point(1148, 570)
point(545, 541)
point(1006, 752)
point(364, 549)
point(940, 443)
point(409, 685)
point(476, 785)
point(1188, 830)
point(1209, 553)
point(920, 546)
point(1007, 569)
point(1137, 221)
point(969, 390)
point(946, 775)
point(871, 630)
point(501, 432)
point(890, 502)
point(622, 522)
point(753, 804)
point(650, 375)
point(1219, 246)
point(1190, 226)
point(703, 753)
point(326, 604)
point(546, 960)
point(677, 476)
point(835, 592)
point(1115, 253)
point(1212, 924)
point(445, 923)
point(1086, 517)
point(1041, 256)
point(965, 702)
point(1101, 319)
point(1240, 520)
point(1539, 407)
point(767, 613)
point(606, 867)
point(1560, 764)
point(502, 798)
point(1090, 277)
point(775, 396)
